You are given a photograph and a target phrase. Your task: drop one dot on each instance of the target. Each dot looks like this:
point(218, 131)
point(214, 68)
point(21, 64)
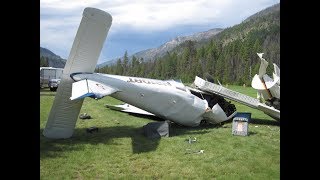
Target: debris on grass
point(190, 151)
point(85, 116)
point(189, 140)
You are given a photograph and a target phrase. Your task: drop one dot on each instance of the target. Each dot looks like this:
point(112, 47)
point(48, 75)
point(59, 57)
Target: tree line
point(232, 63)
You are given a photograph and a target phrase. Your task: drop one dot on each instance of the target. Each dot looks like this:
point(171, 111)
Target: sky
point(140, 24)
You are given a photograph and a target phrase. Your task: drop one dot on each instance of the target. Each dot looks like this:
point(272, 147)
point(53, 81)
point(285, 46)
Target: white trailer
point(47, 73)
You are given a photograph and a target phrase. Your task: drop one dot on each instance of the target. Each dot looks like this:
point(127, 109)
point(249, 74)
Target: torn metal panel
point(267, 86)
point(217, 115)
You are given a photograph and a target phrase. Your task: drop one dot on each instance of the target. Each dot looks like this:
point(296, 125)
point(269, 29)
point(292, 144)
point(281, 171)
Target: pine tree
point(125, 63)
point(119, 67)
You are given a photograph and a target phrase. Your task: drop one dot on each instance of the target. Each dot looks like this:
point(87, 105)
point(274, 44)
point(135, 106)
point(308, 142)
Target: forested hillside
point(229, 57)
point(49, 59)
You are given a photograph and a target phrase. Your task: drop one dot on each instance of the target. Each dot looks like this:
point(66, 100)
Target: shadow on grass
point(250, 133)
point(45, 89)
point(105, 135)
point(178, 130)
point(265, 122)
point(147, 116)
point(50, 148)
point(46, 92)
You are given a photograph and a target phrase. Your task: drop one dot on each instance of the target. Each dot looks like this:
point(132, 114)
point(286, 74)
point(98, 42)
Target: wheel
point(53, 88)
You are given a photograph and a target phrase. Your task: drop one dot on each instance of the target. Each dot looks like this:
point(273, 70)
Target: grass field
point(120, 151)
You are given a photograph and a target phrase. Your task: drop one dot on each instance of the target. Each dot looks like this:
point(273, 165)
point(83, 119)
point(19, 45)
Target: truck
point(49, 73)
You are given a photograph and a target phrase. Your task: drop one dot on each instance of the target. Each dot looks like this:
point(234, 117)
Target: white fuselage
point(169, 100)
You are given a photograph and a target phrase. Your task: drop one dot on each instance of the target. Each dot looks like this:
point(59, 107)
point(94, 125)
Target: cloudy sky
point(140, 24)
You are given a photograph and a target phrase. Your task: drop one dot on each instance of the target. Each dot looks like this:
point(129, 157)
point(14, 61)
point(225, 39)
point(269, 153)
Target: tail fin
point(276, 73)
point(263, 65)
point(89, 88)
point(266, 86)
point(84, 54)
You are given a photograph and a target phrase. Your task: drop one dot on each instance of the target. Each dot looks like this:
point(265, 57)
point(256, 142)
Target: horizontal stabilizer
point(89, 88)
point(276, 74)
point(129, 109)
point(276, 70)
point(263, 65)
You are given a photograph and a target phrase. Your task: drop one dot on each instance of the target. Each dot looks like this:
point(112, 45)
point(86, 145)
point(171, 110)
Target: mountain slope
point(169, 46)
point(153, 53)
point(52, 60)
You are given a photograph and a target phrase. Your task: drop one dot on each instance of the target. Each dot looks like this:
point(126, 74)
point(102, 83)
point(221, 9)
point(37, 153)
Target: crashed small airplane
point(170, 100)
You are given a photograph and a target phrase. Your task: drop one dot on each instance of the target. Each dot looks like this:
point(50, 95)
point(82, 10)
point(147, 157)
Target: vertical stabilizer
point(83, 57)
point(263, 65)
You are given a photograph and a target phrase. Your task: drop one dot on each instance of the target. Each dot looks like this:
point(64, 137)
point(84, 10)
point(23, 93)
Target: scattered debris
point(189, 151)
point(92, 129)
point(85, 116)
point(191, 140)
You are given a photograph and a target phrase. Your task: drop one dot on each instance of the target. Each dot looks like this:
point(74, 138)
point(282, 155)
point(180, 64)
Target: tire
point(53, 89)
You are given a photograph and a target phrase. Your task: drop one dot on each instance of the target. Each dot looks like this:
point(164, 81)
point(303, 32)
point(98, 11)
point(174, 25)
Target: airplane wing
point(236, 96)
point(271, 111)
point(89, 88)
point(129, 108)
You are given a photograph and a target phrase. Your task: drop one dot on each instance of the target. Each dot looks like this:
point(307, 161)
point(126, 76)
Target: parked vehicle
point(53, 84)
point(47, 73)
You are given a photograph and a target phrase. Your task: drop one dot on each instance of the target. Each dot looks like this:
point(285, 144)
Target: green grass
point(120, 151)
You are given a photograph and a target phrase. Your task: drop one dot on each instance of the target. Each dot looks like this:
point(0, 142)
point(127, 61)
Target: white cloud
point(67, 4)
point(163, 15)
point(60, 18)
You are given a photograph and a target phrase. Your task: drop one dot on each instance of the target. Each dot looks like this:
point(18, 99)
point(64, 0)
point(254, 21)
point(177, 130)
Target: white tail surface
point(88, 88)
point(84, 54)
point(276, 73)
point(263, 65)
